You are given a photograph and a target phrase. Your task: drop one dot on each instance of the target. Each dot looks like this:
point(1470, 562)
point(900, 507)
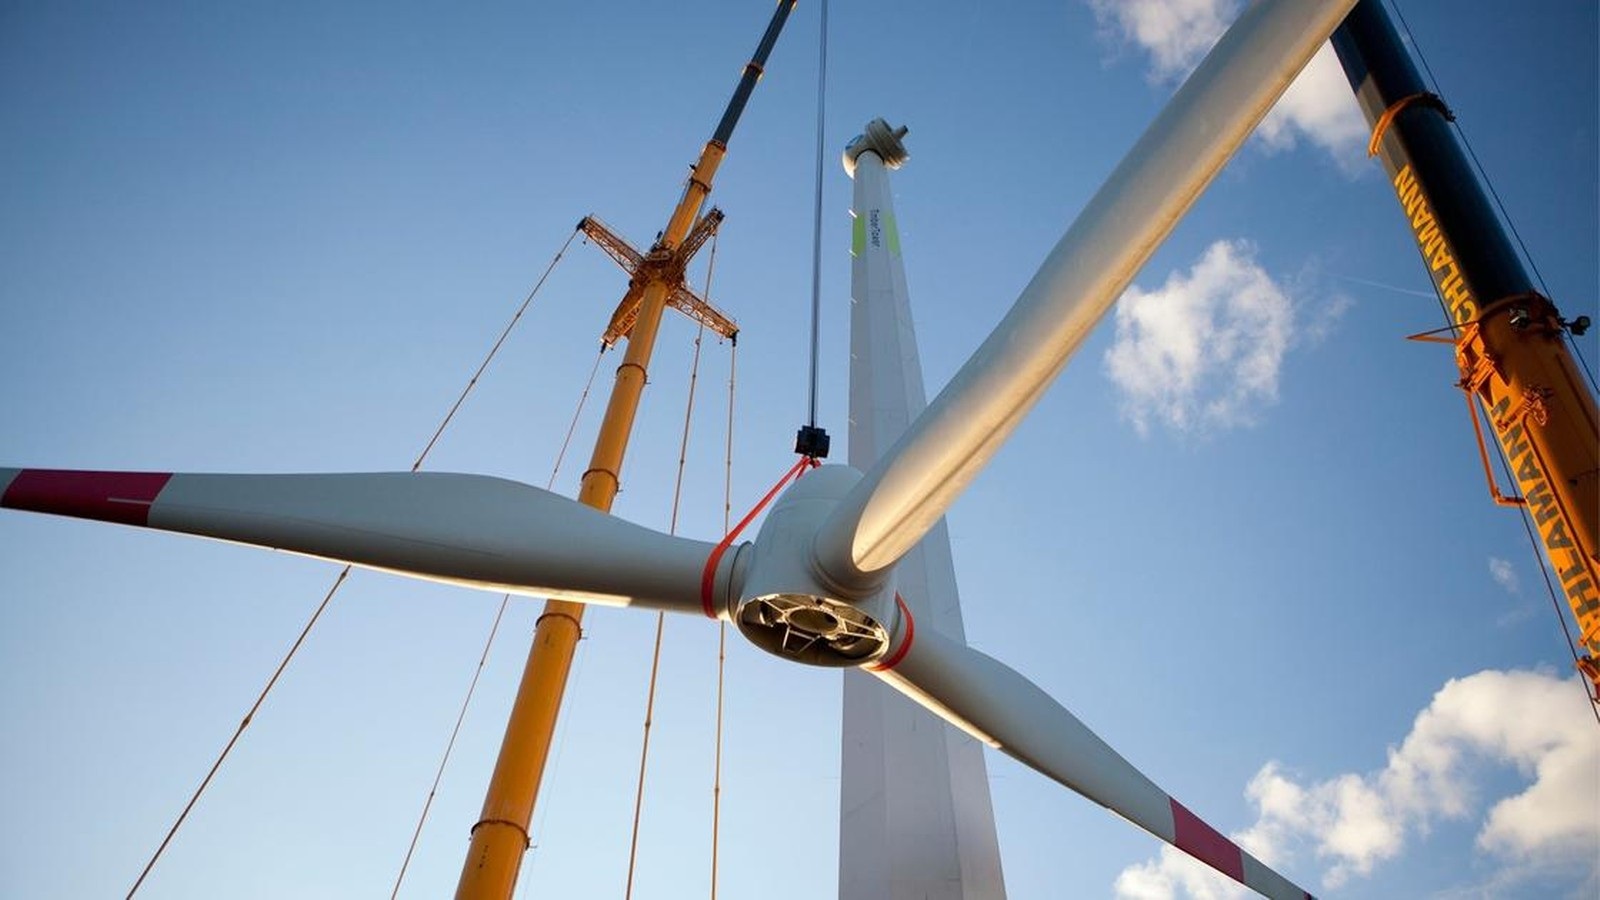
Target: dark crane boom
point(1510, 340)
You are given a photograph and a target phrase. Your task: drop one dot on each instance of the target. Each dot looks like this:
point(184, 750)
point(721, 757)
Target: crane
point(500, 838)
point(1509, 339)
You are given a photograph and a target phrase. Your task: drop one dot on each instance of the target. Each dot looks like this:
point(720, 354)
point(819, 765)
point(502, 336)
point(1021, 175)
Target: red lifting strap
point(709, 576)
point(905, 643)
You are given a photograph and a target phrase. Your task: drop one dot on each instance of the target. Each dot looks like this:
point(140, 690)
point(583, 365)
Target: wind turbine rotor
point(817, 586)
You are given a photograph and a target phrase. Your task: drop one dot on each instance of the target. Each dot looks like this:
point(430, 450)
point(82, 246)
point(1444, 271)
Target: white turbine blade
point(469, 530)
point(997, 705)
point(1183, 149)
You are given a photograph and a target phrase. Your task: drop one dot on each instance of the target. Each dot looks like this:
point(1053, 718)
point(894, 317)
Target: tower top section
point(880, 138)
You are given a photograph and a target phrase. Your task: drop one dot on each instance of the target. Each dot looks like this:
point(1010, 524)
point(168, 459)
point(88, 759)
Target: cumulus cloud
point(1174, 874)
point(1318, 107)
point(1529, 722)
point(1505, 576)
point(1176, 33)
point(1202, 352)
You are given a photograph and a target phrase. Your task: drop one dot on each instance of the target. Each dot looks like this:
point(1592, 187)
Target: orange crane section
point(500, 838)
point(1509, 339)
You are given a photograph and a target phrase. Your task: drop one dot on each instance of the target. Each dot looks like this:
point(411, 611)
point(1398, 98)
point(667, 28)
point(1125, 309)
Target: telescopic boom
point(1510, 341)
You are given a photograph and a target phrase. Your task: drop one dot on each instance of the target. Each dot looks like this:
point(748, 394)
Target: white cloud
point(1202, 351)
point(1531, 722)
point(1175, 874)
point(1504, 575)
point(1318, 107)
point(1176, 33)
point(1325, 317)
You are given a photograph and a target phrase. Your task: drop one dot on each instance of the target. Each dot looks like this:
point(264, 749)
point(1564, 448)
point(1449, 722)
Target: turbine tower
point(915, 819)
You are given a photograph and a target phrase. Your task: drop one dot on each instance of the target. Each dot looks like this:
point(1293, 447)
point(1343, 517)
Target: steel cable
point(334, 588)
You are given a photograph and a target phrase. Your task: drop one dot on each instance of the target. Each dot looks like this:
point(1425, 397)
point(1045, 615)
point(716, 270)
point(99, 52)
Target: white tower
point(915, 817)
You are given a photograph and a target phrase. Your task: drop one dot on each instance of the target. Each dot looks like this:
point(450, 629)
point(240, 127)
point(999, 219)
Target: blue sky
point(1263, 565)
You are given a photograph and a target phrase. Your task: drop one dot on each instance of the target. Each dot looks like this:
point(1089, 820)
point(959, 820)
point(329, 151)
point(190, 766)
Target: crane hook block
point(811, 441)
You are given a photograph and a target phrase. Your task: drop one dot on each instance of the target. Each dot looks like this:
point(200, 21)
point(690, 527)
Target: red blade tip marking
point(1205, 843)
point(123, 497)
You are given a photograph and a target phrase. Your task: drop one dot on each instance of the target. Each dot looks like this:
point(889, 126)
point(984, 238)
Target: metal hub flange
point(788, 608)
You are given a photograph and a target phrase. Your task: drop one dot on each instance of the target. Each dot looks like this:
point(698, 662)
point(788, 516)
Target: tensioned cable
point(473, 382)
point(661, 617)
point(573, 425)
point(1550, 589)
point(644, 752)
point(1500, 206)
point(338, 581)
point(551, 777)
point(488, 643)
point(1506, 221)
point(661, 625)
point(433, 790)
point(1483, 176)
point(1582, 360)
point(816, 222)
point(552, 773)
point(243, 724)
point(1505, 218)
point(1555, 605)
point(722, 633)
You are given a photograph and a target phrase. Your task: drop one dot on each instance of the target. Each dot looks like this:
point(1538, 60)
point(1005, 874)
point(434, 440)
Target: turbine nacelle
point(788, 606)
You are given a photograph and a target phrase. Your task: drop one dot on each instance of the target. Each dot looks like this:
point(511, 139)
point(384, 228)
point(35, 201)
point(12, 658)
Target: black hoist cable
point(812, 441)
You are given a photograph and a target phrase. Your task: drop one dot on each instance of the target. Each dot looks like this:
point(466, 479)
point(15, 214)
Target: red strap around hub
point(708, 578)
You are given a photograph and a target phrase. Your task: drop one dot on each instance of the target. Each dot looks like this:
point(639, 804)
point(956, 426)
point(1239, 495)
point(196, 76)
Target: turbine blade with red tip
point(469, 530)
point(997, 705)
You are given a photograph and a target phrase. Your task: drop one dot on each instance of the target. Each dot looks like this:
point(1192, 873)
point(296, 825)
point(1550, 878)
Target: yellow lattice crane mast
point(500, 838)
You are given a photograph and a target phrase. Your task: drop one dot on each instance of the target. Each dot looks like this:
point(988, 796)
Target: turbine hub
point(788, 608)
point(817, 630)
